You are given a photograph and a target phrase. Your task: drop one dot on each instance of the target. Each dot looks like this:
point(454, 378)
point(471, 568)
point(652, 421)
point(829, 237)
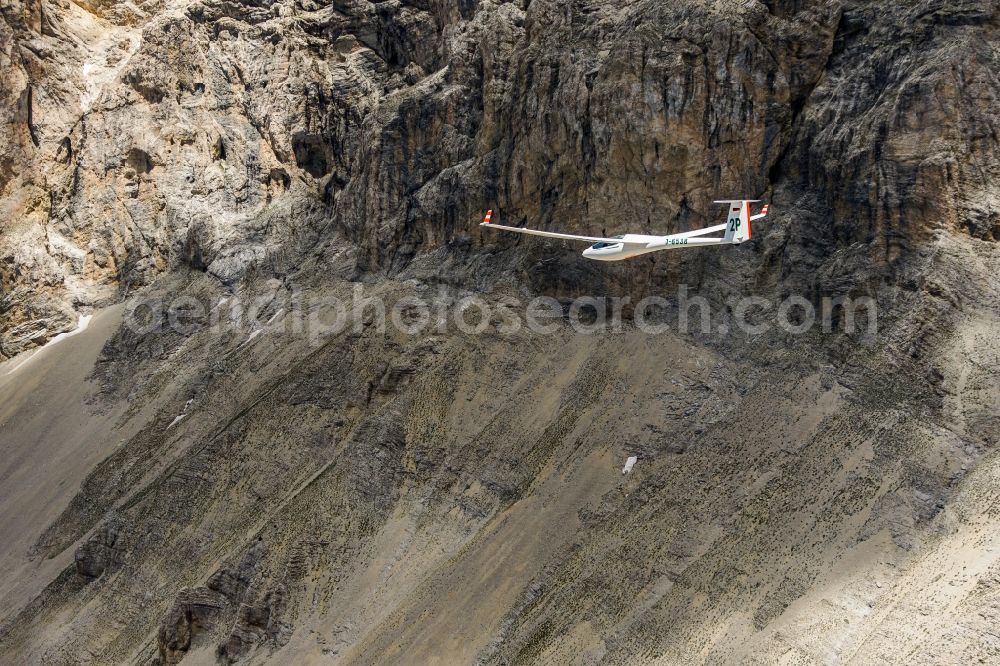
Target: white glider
point(735, 230)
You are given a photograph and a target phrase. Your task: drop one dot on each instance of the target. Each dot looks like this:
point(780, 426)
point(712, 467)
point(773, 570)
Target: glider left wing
point(552, 234)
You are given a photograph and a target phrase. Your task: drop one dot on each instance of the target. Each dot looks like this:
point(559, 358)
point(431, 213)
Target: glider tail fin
point(737, 221)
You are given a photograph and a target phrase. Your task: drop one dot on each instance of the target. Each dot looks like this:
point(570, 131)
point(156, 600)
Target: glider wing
point(700, 232)
point(763, 213)
point(552, 234)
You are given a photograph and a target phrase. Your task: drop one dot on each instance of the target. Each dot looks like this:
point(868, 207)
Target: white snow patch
point(253, 336)
point(276, 315)
point(629, 464)
point(81, 326)
point(180, 417)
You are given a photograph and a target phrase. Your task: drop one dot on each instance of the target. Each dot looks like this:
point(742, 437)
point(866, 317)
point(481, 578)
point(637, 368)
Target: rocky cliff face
point(233, 137)
point(376, 497)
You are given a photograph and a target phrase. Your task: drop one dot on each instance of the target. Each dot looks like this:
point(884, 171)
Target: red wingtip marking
point(489, 216)
point(749, 228)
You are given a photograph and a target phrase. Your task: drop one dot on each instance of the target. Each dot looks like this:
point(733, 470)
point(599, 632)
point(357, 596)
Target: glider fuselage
point(633, 245)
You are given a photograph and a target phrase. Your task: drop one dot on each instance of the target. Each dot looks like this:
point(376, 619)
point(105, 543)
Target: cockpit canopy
point(604, 244)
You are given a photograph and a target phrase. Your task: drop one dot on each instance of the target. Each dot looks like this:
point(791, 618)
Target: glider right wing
point(700, 232)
